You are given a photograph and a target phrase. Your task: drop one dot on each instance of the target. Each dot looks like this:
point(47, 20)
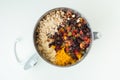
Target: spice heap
point(70, 39)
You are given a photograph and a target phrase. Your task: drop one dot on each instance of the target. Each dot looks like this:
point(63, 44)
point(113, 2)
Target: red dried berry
point(75, 30)
point(87, 41)
point(76, 51)
point(67, 49)
point(85, 38)
point(81, 32)
point(68, 28)
point(73, 33)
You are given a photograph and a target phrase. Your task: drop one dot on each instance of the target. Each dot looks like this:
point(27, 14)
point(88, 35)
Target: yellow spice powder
point(63, 58)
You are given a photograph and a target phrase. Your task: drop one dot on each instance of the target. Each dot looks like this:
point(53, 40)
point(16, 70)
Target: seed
point(69, 33)
point(73, 38)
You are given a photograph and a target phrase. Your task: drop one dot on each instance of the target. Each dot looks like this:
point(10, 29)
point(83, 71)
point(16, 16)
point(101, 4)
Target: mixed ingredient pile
point(71, 40)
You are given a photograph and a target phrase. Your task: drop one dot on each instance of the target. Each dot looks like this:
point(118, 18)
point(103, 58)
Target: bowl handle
point(96, 35)
point(32, 61)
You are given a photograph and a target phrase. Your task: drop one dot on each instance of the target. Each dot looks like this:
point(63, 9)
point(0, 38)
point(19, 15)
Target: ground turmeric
point(63, 58)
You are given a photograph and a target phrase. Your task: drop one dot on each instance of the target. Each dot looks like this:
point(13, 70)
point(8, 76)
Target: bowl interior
point(36, 34)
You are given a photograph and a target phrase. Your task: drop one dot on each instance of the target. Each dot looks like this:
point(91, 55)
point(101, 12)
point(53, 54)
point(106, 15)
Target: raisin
point(69, 22)
point(57, 48)
point(73, 56)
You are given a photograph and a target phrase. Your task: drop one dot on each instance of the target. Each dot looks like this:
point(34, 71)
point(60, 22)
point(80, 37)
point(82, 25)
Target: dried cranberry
point(81, 32)
point(67, 49)
point(57, 48)
point(76, 51)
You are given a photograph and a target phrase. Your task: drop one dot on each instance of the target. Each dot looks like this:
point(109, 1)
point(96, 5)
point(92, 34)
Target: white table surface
point(18, 18)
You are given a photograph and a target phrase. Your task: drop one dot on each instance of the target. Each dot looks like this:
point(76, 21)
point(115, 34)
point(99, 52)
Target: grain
point(48, 24)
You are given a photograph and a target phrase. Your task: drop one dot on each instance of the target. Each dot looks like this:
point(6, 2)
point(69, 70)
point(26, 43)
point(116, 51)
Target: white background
point(18, 18)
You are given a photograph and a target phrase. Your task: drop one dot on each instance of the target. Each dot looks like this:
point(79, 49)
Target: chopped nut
point(73, 15)
point(78, 20)
point(79, 24)
point(68, 18)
